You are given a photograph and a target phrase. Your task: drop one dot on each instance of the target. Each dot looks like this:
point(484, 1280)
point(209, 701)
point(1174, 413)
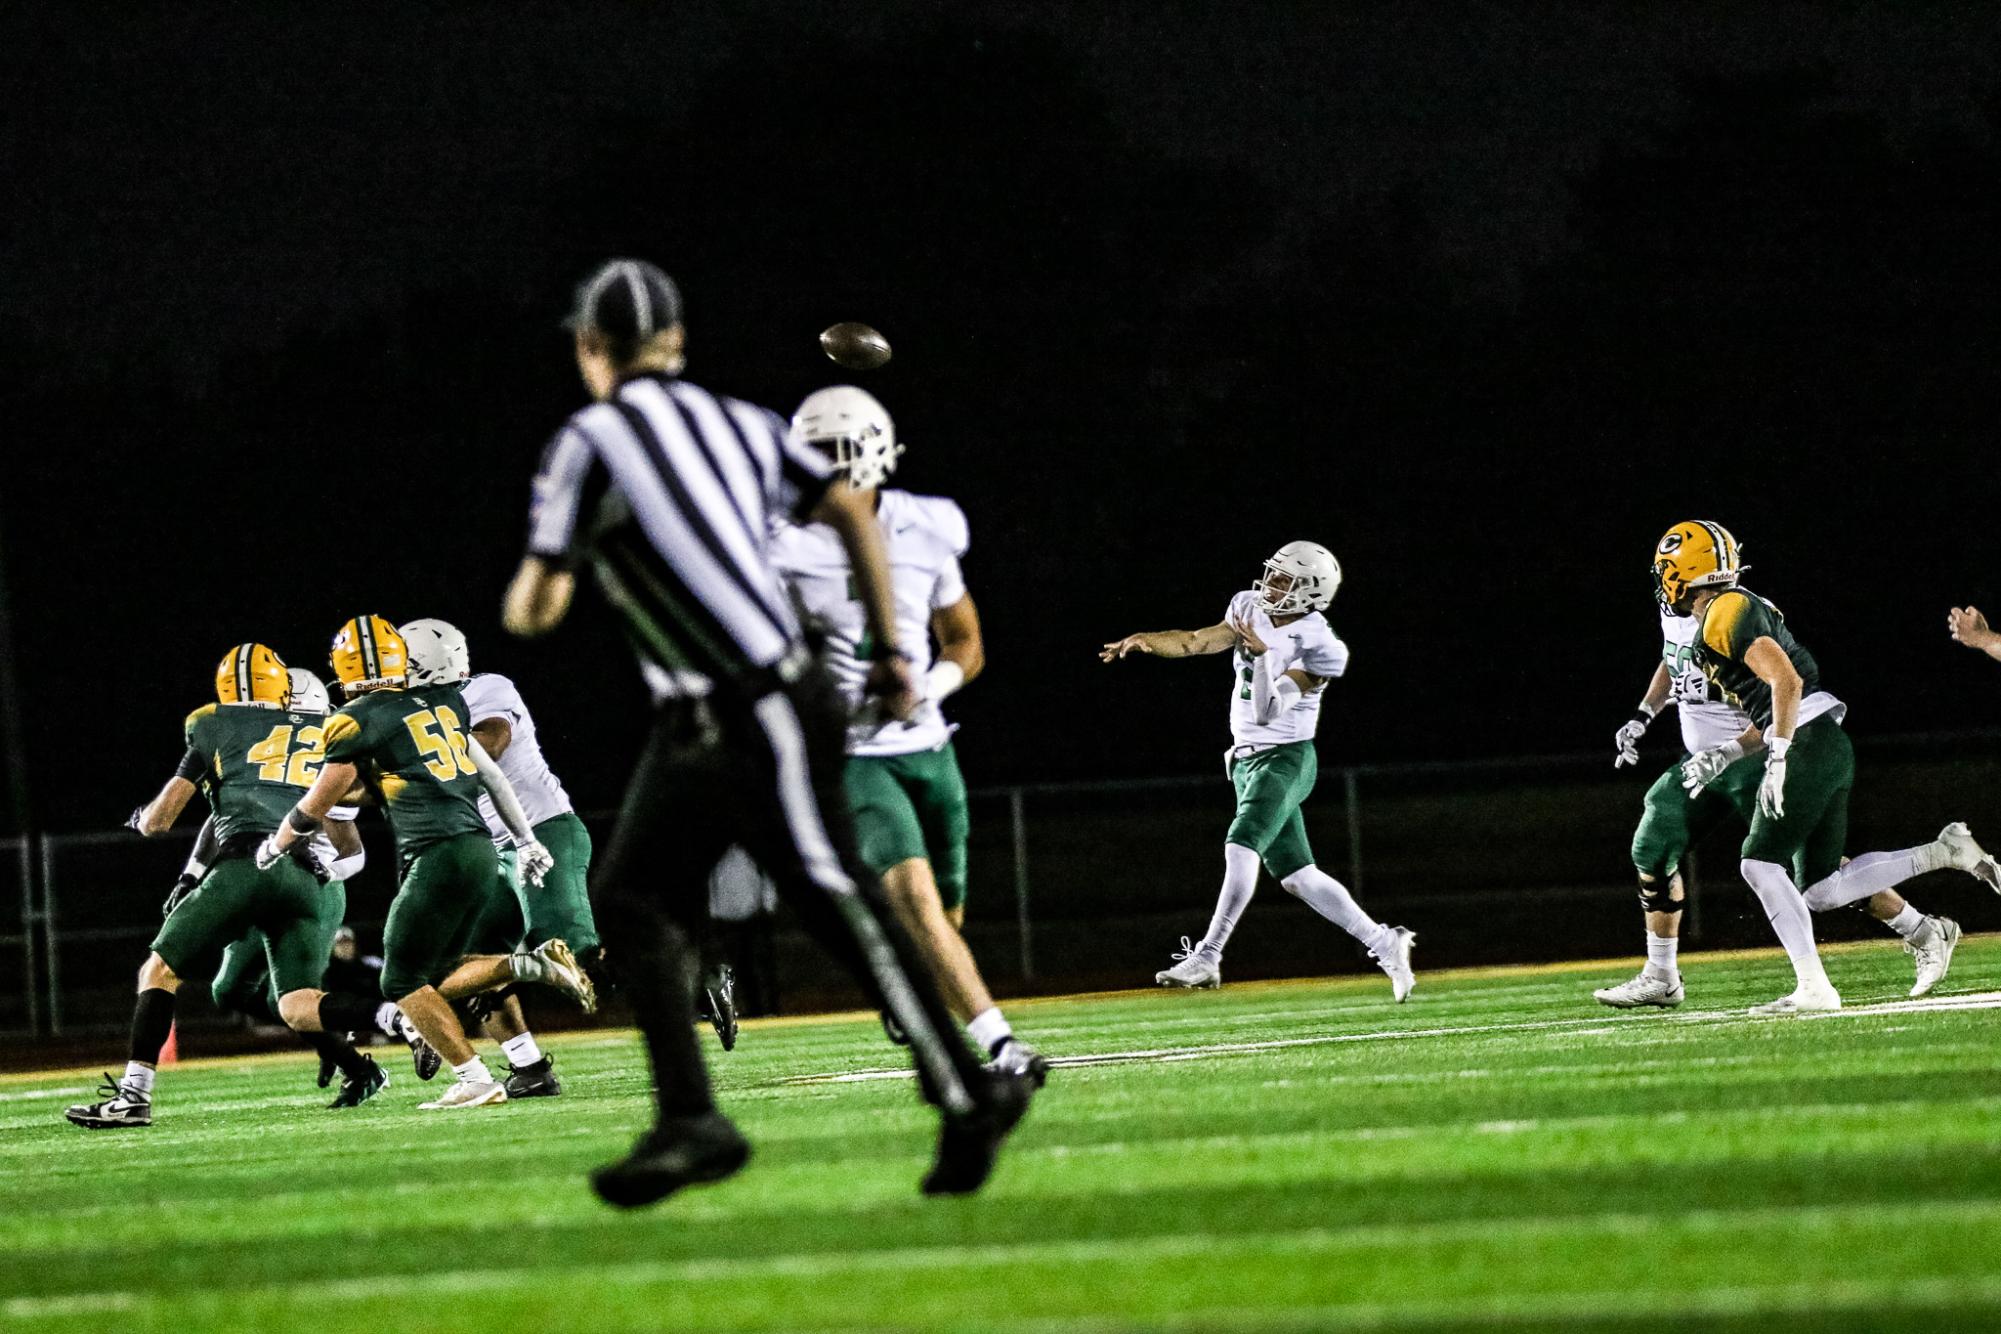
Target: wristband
point(1647, 711)
point(942, 680)
point(305, 826)
point(1778, 745)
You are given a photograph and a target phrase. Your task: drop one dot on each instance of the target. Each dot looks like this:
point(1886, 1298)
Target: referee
point(668, 491)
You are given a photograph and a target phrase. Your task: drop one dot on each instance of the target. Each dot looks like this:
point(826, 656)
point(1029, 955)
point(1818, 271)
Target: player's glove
point(1772, 791)
point(268, 852)
point(1701, 769)
point(182, 888)
point(1627, 739)
point(136, 820)
point(535, 860)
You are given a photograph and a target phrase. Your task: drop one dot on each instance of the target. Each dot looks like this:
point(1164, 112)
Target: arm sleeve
point(1733, 623)
point(502, 793)
point(193, 765)
point(951, 585)
point(1325, 655)
point(566, 487)
point(803, 473)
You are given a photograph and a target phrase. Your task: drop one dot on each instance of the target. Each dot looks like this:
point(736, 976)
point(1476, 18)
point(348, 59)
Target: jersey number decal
point(436, 732)
point(278, 762)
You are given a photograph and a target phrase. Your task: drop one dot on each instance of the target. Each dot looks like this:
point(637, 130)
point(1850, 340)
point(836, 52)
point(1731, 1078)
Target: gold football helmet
point(252, 674)
point(368, 654)
point(1695, 554)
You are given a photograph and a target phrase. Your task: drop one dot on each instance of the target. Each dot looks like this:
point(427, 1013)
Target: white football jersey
point(926, 536)
point(491, 695)
point(1309, 644)
point(1707, 720)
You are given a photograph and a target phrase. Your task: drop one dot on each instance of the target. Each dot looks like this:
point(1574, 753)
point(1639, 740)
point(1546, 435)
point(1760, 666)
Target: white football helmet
point(1300, 577)
point(855, 428)
point(309, 693)
point(437, 652)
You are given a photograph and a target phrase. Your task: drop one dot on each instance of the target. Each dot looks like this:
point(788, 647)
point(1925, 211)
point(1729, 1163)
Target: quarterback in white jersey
point(1723, 744)
point(902, 778)
point(1282, 655)
point(560, 907)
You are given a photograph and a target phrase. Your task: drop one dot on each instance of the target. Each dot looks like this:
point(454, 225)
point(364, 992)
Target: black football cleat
point(719, 1005)
point(356, 1091)
point(422, 1054)
point(122, 1106)
point(1012, 1056)
point(968, 1145)
point(684, 1151)
point(534, 1081)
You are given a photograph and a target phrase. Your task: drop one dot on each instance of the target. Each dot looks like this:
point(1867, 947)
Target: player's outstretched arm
point(1216, 638)
point(157, 816)
point(537, 599)
point(1626, 741)
point(1970, 628)
point(535, 859)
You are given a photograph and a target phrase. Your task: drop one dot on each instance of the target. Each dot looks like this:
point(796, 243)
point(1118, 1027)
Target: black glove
point(182, 888)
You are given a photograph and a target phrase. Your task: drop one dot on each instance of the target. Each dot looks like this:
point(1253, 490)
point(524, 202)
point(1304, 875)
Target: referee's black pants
point(766, 774)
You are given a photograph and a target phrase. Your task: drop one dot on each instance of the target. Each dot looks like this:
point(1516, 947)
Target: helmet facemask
point(856, 430)
point(1301, 577)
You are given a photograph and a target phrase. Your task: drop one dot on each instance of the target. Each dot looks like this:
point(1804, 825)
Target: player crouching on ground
point(1679, 812)
point(408, 746)
point(1792, 858)
point(1284, 654)
point(560, 907)
point(252, 756)
point(902, 777)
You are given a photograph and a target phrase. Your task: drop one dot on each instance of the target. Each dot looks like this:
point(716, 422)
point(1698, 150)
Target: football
point(855, 346)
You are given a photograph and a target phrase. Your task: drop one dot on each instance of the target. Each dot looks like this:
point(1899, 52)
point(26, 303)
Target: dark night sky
point(1482, 301)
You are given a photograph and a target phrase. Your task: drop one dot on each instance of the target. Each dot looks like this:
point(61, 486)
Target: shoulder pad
point(941, 517)
point(338, 727)
point(195, 717)
point(1720, 618)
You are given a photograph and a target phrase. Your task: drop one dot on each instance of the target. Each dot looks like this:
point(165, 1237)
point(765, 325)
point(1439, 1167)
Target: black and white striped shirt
point(668, 490)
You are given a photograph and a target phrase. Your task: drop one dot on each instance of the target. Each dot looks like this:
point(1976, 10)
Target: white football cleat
point(464, 1094)
point(1394, 959)
point(1807, 998)
point(1962, 853)
point(1647, 989)
point(1194, 970)
point(1931, 951)
point(125, 1106)
point(553, 965)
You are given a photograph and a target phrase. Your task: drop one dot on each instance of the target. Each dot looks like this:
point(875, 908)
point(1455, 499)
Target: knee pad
point(1658, 896)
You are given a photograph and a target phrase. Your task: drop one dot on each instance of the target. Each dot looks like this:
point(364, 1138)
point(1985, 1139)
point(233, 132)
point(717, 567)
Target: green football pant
point(1810, 837)
point(245, 983)
point(912, 807)
point(284, 902)
point(561, 908)
point(1271, 785)
point(1672, 822)
point(446, 889)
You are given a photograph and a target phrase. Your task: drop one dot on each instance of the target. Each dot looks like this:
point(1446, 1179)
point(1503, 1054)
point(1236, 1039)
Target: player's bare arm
point(1218, 638)
point(851, 514)
point(957, 630)
point(336, 777)
point(1970, 628)
point(157, 816)
point(494, 735)
point(537, 599)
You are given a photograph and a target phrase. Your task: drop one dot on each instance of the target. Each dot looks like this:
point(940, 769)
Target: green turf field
point(1499, 1153)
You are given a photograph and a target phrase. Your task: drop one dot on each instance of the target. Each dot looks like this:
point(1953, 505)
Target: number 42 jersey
point(257, 761)
point(411, 748)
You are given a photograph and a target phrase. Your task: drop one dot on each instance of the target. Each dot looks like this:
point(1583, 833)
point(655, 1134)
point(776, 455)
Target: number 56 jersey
point(411, 748)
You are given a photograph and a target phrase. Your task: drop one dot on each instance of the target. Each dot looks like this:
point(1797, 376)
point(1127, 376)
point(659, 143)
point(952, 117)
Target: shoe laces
point(1188, 950)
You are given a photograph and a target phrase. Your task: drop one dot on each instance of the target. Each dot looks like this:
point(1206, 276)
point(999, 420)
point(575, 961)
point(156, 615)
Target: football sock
point(152, 1020)
point(989, 1029)
point(340, 1051)
point(522, 1051)
point(1871, 873)
point(138, 1078)
point(1331, 899)
point(1786, 911)
point(1661, 952)
point(473, 1072)
point(1240, 881)
point(1908, 922)
point(345, 1012)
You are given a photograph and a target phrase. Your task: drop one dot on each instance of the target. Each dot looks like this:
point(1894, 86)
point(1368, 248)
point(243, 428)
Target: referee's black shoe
point(969, 1144)
point(680, 1151)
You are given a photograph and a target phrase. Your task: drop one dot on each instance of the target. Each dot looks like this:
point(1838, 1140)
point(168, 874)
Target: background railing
point(1092, 884)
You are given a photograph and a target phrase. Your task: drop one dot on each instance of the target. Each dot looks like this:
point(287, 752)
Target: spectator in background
point(350, 970)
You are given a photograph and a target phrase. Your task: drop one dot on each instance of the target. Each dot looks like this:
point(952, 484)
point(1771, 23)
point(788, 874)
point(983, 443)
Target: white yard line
point(838, 1261)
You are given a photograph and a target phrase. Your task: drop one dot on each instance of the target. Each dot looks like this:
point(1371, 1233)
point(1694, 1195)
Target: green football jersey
point(1730, 625)
point(259, 762)
point(411, 748)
